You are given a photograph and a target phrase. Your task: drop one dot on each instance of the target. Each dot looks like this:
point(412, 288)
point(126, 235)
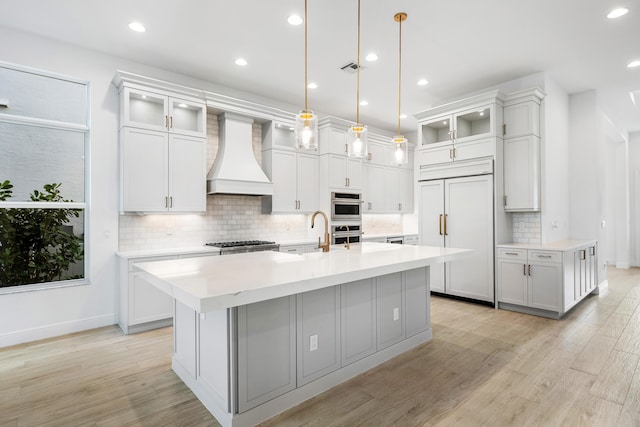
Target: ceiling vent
point(351, 67)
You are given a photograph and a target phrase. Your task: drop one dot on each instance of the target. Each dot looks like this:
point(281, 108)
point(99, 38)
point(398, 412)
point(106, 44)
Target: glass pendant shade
point(400, 153)
point(357, 136)
point(306, 130)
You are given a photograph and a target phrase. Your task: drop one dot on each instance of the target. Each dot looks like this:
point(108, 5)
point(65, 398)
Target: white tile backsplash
point(526, 227)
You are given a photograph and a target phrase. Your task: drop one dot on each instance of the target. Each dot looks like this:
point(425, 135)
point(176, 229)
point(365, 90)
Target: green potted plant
point(35, 243)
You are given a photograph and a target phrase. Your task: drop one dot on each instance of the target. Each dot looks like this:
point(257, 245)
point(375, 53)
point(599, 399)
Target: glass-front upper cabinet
point(161, 112)
point(460, 126)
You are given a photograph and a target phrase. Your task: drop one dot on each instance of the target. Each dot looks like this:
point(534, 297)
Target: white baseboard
point(50, 331)
point(622, 265)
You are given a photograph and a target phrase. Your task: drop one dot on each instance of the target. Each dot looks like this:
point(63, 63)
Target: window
point(44, 147)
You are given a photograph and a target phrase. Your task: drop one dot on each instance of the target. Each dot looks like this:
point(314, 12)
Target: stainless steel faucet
point(327, 239)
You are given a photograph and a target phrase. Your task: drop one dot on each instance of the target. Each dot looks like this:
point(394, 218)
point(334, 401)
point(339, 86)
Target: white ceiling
point(460, 46)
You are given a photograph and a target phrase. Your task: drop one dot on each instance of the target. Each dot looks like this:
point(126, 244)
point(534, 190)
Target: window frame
point(85, 205)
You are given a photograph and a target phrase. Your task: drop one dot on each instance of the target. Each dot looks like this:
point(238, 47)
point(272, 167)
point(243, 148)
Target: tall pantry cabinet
point(460, 181)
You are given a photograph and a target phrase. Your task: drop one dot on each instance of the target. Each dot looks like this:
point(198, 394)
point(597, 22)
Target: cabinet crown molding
point(490, 97)
point(526, 95)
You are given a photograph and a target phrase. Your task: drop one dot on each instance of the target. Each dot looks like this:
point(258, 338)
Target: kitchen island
point(258, 333)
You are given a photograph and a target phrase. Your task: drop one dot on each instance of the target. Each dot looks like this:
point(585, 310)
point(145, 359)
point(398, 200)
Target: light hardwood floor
point(483, 367)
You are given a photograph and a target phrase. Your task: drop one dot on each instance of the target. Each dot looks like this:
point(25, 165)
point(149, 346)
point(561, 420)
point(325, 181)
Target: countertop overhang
point(213, 283)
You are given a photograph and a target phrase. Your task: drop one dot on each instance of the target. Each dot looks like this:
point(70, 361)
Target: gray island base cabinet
point(546, 279)
point(252, 345)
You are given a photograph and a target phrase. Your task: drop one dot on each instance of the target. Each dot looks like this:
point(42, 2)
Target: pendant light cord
point(399, 69)
point(306, 86)
point(358, 73)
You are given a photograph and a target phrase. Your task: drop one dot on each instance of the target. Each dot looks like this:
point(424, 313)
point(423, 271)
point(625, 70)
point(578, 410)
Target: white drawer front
point(546, 256)
point(520, 254)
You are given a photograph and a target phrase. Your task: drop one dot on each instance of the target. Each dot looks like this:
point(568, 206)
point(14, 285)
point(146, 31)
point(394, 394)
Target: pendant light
point(400, 151)
point(306, 128)
point(357, 134)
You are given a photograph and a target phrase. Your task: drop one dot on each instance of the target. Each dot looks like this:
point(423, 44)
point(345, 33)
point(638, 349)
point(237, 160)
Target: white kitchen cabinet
point(459, 126)
point(461, 130)
point(345, 173)
point(388, 190)
point(546, 280)
point(141, 305)
point(521, 156)
point(522, 174)
point(530, 278)
point(586, 265)
point(162, 146)
point(161, 172)
point(446, 220)
point(162, 112)
point(295, 181)
point(462, 151)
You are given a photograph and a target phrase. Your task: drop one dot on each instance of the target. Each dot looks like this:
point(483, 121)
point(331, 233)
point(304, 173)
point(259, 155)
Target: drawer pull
point(511, 253)
point(544, 256)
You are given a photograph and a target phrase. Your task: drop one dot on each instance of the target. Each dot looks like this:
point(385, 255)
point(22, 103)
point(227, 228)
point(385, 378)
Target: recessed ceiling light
point(403, 116)
point(137, 27)
point(312, 86)
point(422, 82)
point(617, 13)
point(294, 20)
point(634, 64)
point(371, 57)
point(364, 103)
point(242, 62)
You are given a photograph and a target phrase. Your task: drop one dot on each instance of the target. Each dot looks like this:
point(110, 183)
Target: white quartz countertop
point(560, 245)
point(212, 283)
point(169, 251)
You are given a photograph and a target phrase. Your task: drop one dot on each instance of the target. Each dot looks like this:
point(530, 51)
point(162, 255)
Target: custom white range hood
point(235, 170)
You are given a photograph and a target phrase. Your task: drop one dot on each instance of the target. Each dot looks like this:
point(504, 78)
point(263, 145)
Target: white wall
point(555, 156)
point(634, 204)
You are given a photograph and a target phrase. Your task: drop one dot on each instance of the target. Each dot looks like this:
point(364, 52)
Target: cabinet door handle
point(505, 200)
point(368, 156)
point(166, 122)
point(440, 224)
point(529, 269)
point(445, 225)
point(400, 206)
point(451, 135)
point(166, 201)
point(346, 148)
point(504, 129)
point(592, 250)
point(369, 205)
point(450, 153)
point(170, 201)
point(454, 153)
point(583, 254)
point(524, 269)
point(170, 122)
point(454, 134)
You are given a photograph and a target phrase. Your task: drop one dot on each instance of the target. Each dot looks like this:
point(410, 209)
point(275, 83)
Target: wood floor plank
point(614, 380)
point(615, 325)
point(630, 415)
point(595, 354)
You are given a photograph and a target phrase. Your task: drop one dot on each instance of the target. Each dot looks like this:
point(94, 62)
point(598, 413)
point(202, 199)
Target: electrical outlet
point(396, 313)
point(313, 342)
